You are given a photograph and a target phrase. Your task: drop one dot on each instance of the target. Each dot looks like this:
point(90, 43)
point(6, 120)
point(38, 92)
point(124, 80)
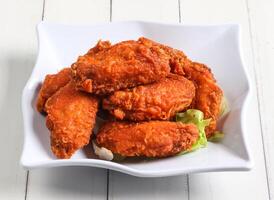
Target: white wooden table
point(18, 49)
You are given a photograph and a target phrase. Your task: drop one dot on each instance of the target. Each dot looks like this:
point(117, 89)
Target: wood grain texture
point(17, 57)
point(247, 185)
point(122, 186)
point(262, 32)
point(71, 182)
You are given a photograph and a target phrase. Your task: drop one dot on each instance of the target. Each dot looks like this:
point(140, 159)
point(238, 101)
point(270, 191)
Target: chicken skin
point(142, 82)
point(100, 46)
point(71, 118)
point(208, 96)
point(156, 101)
point(177, 59)
point(105, 68)
point(51, 84)
point(149, 139)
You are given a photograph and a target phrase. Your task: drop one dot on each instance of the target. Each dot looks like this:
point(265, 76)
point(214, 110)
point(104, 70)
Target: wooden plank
point(247, 185)
point(71, 182)
point(262, 32)
point(67, 183)
point(152, 10)
point(77, 12)
point(123, 186)
point(17, 57)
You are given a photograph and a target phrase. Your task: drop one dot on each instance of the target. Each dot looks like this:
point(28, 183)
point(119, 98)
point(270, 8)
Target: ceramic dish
point(217, 46)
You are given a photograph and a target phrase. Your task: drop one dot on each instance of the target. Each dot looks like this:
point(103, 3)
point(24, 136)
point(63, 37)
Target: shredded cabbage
point(193, 116)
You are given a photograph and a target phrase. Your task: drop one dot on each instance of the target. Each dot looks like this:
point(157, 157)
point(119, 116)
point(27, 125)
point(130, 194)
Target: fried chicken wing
point(70, 119)
point(156, 101)
point(123, 65)
point(177, 59)
point(150, 139)
point(52, 84)
point(100, 46)
point(208, 96)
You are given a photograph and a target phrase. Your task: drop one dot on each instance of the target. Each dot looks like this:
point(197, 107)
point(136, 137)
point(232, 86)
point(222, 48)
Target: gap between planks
point(26, 188)
point(43, 10)
point(180, 16)
point(110, 10)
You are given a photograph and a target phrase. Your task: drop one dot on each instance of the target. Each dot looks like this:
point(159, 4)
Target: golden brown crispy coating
point(100, 46)
point(52, 84)
point(70, 119)
point(150, 139)
point(177, 59)
point(105, 68)
point(156, 101)
point(208, 96)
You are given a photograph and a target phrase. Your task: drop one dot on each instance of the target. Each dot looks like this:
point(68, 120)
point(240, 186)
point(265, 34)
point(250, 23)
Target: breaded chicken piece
point(177, 59)
point(208, 96)
point(51, 84)
point(70, 119)
point(100, 46)
point(150, 139)
point(126, 64)
point(156, 101)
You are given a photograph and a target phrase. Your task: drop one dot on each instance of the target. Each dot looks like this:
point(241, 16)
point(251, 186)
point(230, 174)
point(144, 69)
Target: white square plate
point(217, 46)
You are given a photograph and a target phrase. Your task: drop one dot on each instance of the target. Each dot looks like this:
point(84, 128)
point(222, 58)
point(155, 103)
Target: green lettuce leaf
point(193, 116)
point(224, 108)
point(216, 137)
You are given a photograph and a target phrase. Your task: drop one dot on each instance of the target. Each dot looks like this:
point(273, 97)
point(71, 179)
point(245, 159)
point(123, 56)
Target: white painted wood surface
point(67, 183)
point(124, 187)
point(261, 18)
point(77, 12)
point(17, 56)
point(151, 10)
point(223, 185)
